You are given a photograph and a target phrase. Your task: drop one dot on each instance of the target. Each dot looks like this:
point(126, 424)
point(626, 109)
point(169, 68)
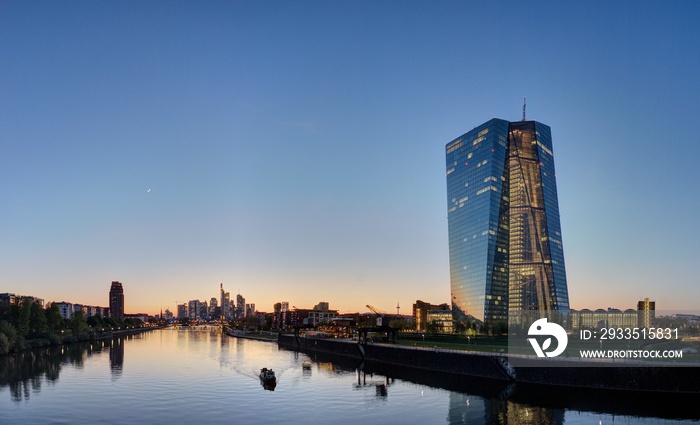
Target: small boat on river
point(268, 379)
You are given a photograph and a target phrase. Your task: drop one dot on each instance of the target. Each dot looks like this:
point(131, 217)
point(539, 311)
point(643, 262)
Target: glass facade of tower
point(537, 279)
point(503, 219)
point(477, 191)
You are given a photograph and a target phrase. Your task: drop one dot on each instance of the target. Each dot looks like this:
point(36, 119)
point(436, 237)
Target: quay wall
point(124, 332)
point(435, 360)
point(321, 345)
point(492, 366)
point(438, 360)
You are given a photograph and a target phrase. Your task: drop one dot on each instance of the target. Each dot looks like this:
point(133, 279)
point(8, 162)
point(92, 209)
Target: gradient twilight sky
point(297, 149)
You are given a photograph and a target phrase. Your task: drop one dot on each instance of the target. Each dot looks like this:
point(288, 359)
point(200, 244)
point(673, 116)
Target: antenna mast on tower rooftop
point(524, 105)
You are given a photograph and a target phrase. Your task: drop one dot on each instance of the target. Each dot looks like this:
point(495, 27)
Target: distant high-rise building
point(277, 312)
point(181, 311)
point(193, 309)
point(221, 296)
point(646, 312)
point(240, 307)
point(116, 300)
point(213, 304)
point(225, 303)
point(282, 318)
point(503, 218)
point(249, 309)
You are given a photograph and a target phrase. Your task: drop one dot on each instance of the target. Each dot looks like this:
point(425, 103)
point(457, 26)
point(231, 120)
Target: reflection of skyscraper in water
point(524, 414)
point(469, 409)
point(116, 356)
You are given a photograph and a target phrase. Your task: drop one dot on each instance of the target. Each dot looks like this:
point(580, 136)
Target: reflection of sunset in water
point(196, 373)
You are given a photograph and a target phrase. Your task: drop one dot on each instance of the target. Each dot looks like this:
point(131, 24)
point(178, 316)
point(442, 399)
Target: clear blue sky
point(296, 149)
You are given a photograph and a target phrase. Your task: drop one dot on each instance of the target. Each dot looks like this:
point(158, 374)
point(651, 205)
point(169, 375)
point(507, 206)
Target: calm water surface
point(181, 375)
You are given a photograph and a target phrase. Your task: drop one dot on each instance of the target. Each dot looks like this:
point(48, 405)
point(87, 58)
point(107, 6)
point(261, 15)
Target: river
point(197, 375)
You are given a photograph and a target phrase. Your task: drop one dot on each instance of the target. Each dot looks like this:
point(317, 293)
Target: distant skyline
point(296, 150)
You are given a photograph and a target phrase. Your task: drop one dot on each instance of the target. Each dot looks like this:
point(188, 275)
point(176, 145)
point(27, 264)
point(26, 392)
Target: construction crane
point(376, 311)
point(380, 315)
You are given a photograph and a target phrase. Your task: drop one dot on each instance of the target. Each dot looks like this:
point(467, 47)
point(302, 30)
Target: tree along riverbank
point(26, 325)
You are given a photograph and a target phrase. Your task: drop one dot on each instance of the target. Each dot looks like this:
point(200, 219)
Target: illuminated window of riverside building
point(502, 254)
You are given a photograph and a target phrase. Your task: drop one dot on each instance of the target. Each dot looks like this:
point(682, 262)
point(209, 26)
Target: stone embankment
point(496, 367)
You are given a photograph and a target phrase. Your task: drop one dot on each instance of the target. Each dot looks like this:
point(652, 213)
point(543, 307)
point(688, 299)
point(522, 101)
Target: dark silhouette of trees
point(54, 321)
point(37, 321)
point(25, 324)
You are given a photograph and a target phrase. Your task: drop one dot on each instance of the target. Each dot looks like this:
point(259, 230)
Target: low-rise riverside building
point(422, 310)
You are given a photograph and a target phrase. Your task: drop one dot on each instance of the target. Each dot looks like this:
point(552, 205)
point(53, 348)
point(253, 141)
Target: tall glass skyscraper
point(503, 218)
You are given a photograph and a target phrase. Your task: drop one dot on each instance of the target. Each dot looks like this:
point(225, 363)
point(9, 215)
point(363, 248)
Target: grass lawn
point(489, 345)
